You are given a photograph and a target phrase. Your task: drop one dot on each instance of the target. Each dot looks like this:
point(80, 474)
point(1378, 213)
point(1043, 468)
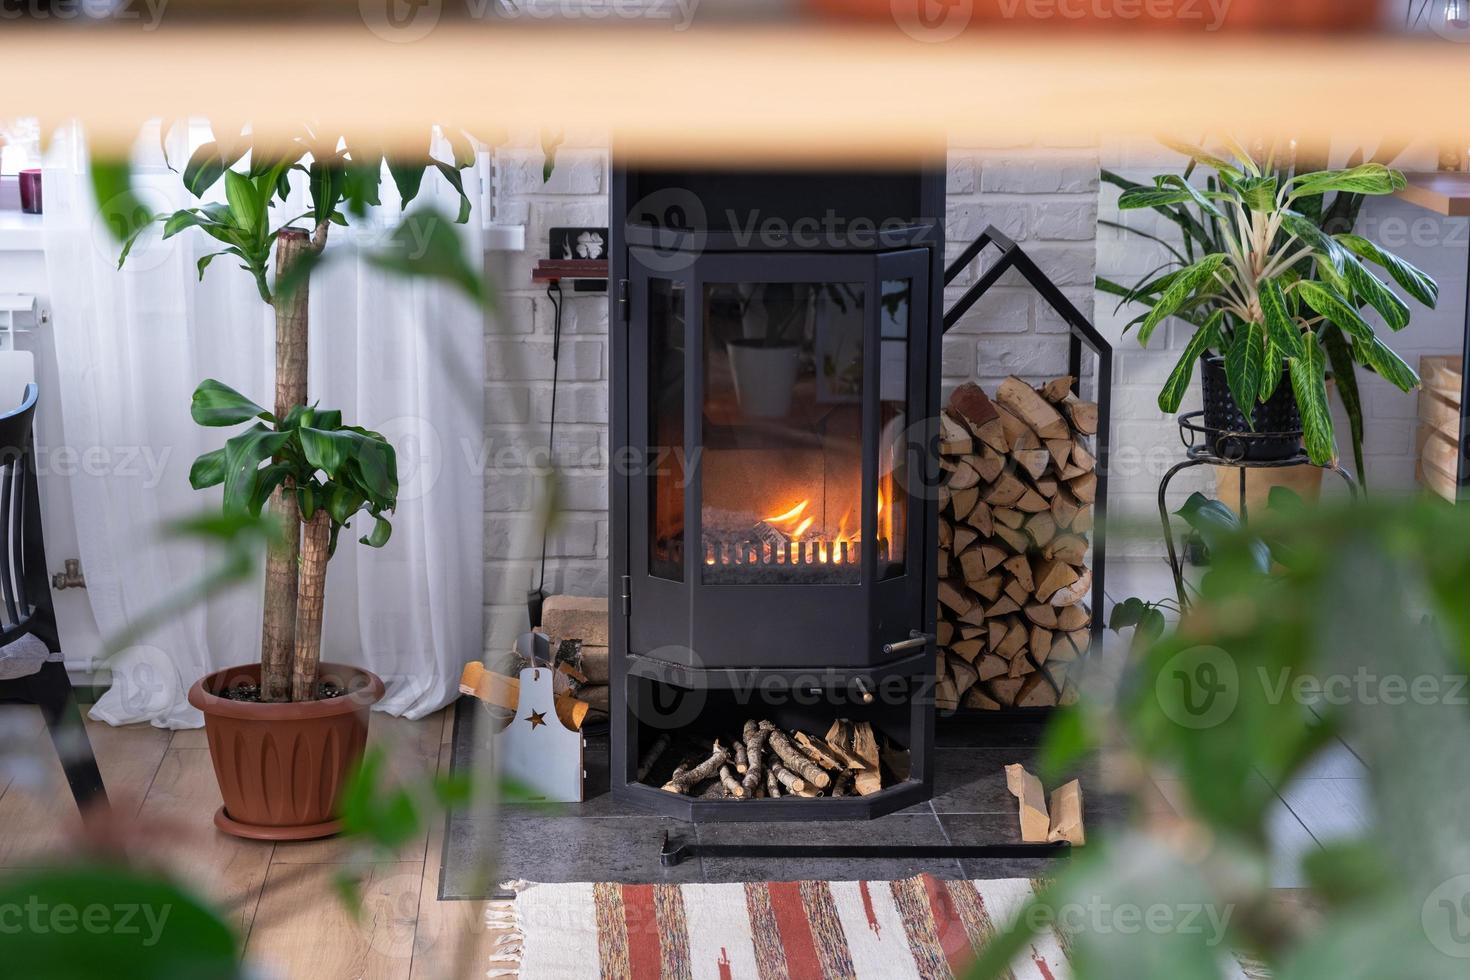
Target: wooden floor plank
point(40, 821)
point(180, 809)
point(303, 930)
point(452, 939)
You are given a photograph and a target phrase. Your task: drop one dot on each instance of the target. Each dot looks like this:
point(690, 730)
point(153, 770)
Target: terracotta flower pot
point(281, 767)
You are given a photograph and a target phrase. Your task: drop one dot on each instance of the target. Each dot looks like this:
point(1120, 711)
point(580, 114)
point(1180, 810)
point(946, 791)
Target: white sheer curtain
point(403, 357)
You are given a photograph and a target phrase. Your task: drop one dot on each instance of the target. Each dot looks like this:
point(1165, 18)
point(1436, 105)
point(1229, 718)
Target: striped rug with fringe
point(919, 928)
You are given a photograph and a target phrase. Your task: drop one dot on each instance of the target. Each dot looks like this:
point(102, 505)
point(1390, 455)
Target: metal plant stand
point(1233, 449)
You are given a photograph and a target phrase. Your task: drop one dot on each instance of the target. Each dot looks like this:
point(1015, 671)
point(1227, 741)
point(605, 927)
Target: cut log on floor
point(1031, 800)
point(1066, 815)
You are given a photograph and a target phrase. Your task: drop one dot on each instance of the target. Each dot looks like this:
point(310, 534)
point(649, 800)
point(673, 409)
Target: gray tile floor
point(1328, 802)
point(601, 841)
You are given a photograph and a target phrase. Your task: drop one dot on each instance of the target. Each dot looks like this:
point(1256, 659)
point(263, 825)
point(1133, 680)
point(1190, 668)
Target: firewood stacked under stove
point(1015, 514)
point(763, 761)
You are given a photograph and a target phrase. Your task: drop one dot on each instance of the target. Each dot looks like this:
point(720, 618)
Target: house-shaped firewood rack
point(1082, 334)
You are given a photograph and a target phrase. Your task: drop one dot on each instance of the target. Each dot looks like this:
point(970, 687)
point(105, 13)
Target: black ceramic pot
point(1222, 416)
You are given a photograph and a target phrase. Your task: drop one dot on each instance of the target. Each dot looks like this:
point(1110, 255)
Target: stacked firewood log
point(763, 761)
point(1015, 513)
point(578, 628)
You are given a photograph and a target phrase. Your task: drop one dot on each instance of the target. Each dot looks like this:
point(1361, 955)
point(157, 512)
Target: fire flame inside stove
point(841, 548)
point(795, 537)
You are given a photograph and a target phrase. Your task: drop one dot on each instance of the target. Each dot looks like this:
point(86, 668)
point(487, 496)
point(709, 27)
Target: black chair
point(27, 606)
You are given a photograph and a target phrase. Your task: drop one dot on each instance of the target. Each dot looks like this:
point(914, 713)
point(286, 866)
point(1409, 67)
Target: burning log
point(1016, 544)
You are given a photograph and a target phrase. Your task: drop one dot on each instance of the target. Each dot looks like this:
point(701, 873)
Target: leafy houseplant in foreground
point(1359, 630)
point(1273, 296)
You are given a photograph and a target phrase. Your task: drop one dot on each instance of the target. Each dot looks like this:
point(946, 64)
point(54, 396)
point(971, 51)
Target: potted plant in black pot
point(284, 733)
point(1272, 295)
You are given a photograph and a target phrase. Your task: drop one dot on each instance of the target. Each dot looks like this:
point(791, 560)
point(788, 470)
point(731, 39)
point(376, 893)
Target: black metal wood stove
point(775, 371)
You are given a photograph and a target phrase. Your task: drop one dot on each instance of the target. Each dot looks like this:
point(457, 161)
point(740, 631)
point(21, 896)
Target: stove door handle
point(916, 641)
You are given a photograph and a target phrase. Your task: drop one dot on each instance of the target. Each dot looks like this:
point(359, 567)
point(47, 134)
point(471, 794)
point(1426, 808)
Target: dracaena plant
point(314, 471)
point(1271, 289)
point(333, 471)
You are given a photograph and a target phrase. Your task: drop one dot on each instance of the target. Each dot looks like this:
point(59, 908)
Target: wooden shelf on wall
point(789, 92)
point(1443, 193)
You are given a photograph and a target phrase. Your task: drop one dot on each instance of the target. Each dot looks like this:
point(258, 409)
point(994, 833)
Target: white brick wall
point(518, 399)
point(1043, 197)
point(1046, 200)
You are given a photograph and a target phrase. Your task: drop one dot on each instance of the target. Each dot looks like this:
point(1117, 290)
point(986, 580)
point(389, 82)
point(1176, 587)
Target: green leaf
point(208, 470)
point(1159, 197)
point(1272, 371)
point(551, 141)
point(1388, 364)
point(204, 261)
point(1200, 155)
point(379, 535)
point(1204, 339)
point(1068, 742)
point(1258, 193)
point(1127, 613)
point(1184, 286)
point(1414, 282)
point(332, 452)
point(148, 928)
point(1244, 363)
point(1336, 309)
point(1372, 291)
point(342, 503)
point(217, 404)
point(361, 180)
point(1308, 381)
point(245, 204)
point(119, 208)
point(407, 177)
point(328, 451)
point(452, 175)
point(326, 179)
point(1280, 326)
point(243, 456)
point(1306, 230)
point(425, 245)
point(1370, 178)
point(1345, 376)
point(207, 165)
point(1218, 526)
